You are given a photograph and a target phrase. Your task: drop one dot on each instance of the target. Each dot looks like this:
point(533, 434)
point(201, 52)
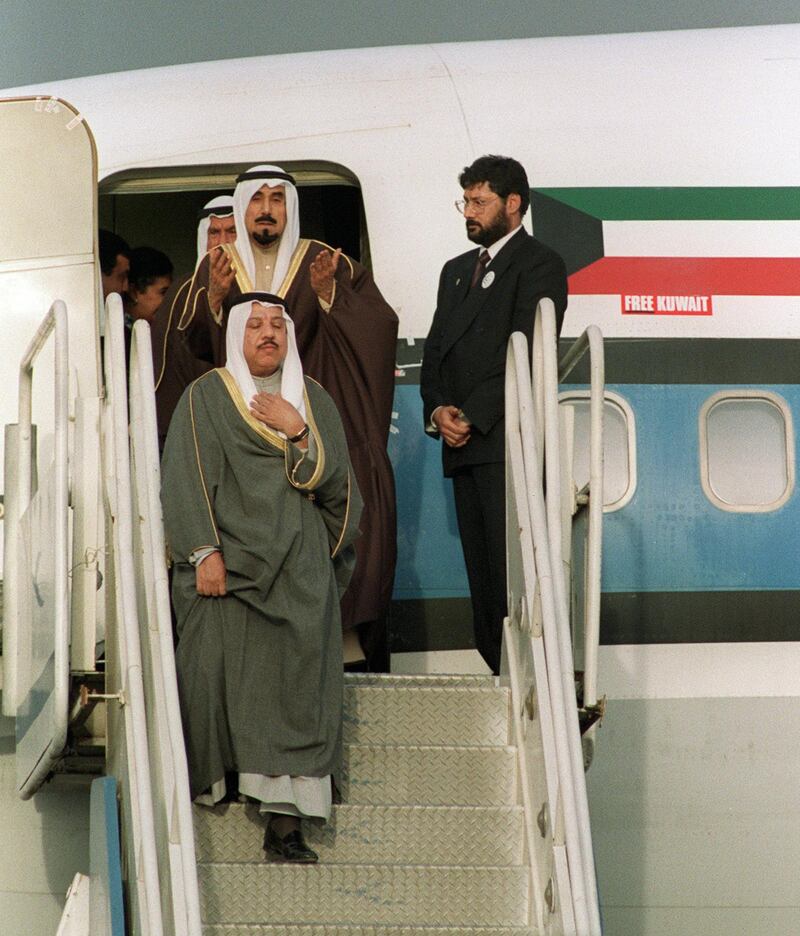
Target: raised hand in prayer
point(279, 414)
point(321, 272)
point(220, 278)
point(210, 576)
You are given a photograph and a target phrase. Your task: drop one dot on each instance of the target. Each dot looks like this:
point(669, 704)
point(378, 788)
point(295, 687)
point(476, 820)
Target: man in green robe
point(261, 510)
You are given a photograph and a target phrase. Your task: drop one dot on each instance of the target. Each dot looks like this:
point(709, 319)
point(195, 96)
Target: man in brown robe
point(346, 336)
point(174, 365)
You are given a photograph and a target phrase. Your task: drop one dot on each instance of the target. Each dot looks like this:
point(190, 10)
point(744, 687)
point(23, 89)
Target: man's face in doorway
point(220, 231)
point(265, 217)
point(117, 280)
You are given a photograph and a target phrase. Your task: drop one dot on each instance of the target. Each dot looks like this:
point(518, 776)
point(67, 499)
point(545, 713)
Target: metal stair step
point(363, 894)
point(419, 680)
point(335, 929)
point(424, 775)
point(408, 835)
point(453, 715)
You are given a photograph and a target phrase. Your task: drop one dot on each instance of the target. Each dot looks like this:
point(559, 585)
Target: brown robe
point(174, 364)
point(351, 352)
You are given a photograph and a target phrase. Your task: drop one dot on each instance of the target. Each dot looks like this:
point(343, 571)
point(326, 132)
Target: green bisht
point(259, 670)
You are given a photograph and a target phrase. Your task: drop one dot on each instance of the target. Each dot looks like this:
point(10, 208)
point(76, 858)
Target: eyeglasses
point(476, 205)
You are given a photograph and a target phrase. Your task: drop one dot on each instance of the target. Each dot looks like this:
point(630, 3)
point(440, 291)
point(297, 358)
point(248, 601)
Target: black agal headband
point(265, 174)
point(221, 211)
point(264, 298)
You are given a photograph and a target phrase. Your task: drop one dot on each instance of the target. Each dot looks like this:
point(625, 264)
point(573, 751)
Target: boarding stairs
point(463, 804)
point(428, 837)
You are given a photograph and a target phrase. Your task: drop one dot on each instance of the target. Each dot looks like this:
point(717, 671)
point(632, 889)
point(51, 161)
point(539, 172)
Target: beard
point(487, 234)
point(264, 238)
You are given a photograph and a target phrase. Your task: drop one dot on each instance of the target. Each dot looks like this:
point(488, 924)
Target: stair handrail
point(179, 872)
point(561, 691)
point(54, 321)
point(591, 341)
point(546, 334)
point(141, 840)
point(524, 657)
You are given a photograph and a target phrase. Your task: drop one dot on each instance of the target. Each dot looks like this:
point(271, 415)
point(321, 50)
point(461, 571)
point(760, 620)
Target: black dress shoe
point(291, 847)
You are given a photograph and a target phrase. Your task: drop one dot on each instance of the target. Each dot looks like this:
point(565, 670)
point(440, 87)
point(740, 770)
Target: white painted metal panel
point(48, 172)
point(41, 587)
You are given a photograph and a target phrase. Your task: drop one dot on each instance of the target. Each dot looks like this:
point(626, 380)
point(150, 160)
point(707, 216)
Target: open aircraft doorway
point(158, 206)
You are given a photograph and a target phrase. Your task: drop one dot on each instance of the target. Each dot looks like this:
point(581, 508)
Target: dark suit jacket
point(464, 360)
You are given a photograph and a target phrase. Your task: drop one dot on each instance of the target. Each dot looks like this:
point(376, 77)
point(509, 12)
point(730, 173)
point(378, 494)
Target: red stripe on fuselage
point(715, 276)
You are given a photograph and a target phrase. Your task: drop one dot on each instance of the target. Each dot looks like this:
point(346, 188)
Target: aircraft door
point(48, 218)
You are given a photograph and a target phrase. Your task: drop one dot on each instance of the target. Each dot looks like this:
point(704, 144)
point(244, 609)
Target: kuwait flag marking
point(727, 254)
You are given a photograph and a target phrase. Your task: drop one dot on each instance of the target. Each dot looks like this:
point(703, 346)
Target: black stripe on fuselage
point(626, 618)
point(699, 617)
point(667, 361)
point(695, 361)
point(430, 624)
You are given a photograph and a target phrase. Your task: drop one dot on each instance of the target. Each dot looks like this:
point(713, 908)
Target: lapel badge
point(487, 281)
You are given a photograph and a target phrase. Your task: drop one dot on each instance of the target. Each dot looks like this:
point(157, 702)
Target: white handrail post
point(11, 610)
point(157, 645)
point(552, 459)
point(538, 377)
point(595, 537)
point(138, 761)
point(563, 700)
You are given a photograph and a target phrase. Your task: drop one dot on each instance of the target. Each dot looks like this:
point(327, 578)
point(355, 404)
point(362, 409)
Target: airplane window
point(746, 450)
point(619, 446)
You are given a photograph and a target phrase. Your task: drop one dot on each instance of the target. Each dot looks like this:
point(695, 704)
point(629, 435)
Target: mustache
point(266, 217)
point(269, 343)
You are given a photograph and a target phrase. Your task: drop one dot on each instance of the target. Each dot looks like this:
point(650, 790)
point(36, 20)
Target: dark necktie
point(480, 266)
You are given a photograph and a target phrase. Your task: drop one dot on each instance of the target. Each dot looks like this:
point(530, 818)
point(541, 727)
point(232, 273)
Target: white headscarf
point(292, 382)
point(244, 191)
point(225, 205)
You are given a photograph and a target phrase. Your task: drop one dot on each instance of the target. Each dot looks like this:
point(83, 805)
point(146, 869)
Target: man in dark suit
point(484, 296)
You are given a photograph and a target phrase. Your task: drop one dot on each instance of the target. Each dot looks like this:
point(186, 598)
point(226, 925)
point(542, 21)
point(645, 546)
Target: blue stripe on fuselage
point(669, 537)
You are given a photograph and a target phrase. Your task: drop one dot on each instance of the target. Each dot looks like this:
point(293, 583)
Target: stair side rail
point(37, 619)
point(127, 754)
point(524, 667)
point(170, 773)
point(546, 314)
point(560, 671)
point(591, 341)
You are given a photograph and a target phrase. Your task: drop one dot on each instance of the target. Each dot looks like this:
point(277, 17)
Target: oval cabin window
point(747, 450)
point(619, 446)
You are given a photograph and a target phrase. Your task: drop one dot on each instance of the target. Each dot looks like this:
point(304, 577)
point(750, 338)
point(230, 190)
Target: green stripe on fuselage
point(676, 204)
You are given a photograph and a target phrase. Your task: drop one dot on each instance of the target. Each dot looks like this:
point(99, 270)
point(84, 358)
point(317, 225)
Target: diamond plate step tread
point(284, 929)
point(422, 775)
point(363, 894)
point(424, 680)
point(431, 835)
point(451, 715)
